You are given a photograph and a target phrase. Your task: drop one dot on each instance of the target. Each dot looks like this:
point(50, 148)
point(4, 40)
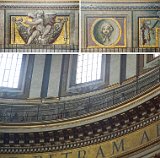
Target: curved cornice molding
point(83, 140)
point(145, 117)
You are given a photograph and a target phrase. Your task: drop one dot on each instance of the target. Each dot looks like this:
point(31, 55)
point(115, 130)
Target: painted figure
point(149, 30)
point(146, 32)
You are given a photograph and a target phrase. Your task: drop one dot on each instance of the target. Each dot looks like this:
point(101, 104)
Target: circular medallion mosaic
point(106, 32)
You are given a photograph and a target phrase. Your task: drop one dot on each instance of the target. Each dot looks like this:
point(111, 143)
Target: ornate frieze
point(58, 5)
point(120, 7)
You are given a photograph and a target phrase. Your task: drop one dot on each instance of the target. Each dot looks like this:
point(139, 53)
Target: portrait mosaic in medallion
point(106, 32)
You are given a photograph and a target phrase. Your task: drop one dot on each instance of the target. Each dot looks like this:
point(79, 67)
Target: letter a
point(144, 137)
point(100, 153)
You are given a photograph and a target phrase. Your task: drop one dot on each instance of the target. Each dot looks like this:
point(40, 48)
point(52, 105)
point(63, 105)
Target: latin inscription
point(102, 150)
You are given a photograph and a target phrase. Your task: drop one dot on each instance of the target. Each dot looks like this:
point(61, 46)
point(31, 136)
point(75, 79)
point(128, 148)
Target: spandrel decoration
point(39, 28)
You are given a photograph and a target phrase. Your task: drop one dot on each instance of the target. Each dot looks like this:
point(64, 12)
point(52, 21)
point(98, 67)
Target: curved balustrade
point(77, 107)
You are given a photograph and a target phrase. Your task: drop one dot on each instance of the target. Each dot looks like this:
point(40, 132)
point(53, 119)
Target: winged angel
point(41, 29)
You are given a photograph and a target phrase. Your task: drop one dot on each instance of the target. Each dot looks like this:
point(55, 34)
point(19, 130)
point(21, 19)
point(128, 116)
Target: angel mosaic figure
point(36, 25)
point(41, 29)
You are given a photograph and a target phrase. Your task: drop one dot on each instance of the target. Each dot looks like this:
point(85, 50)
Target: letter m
point(117, 147)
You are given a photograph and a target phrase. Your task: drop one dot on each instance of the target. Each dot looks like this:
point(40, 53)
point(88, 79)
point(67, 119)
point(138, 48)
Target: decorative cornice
point(72, 6)
point(97, 132)
point(121, 7)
